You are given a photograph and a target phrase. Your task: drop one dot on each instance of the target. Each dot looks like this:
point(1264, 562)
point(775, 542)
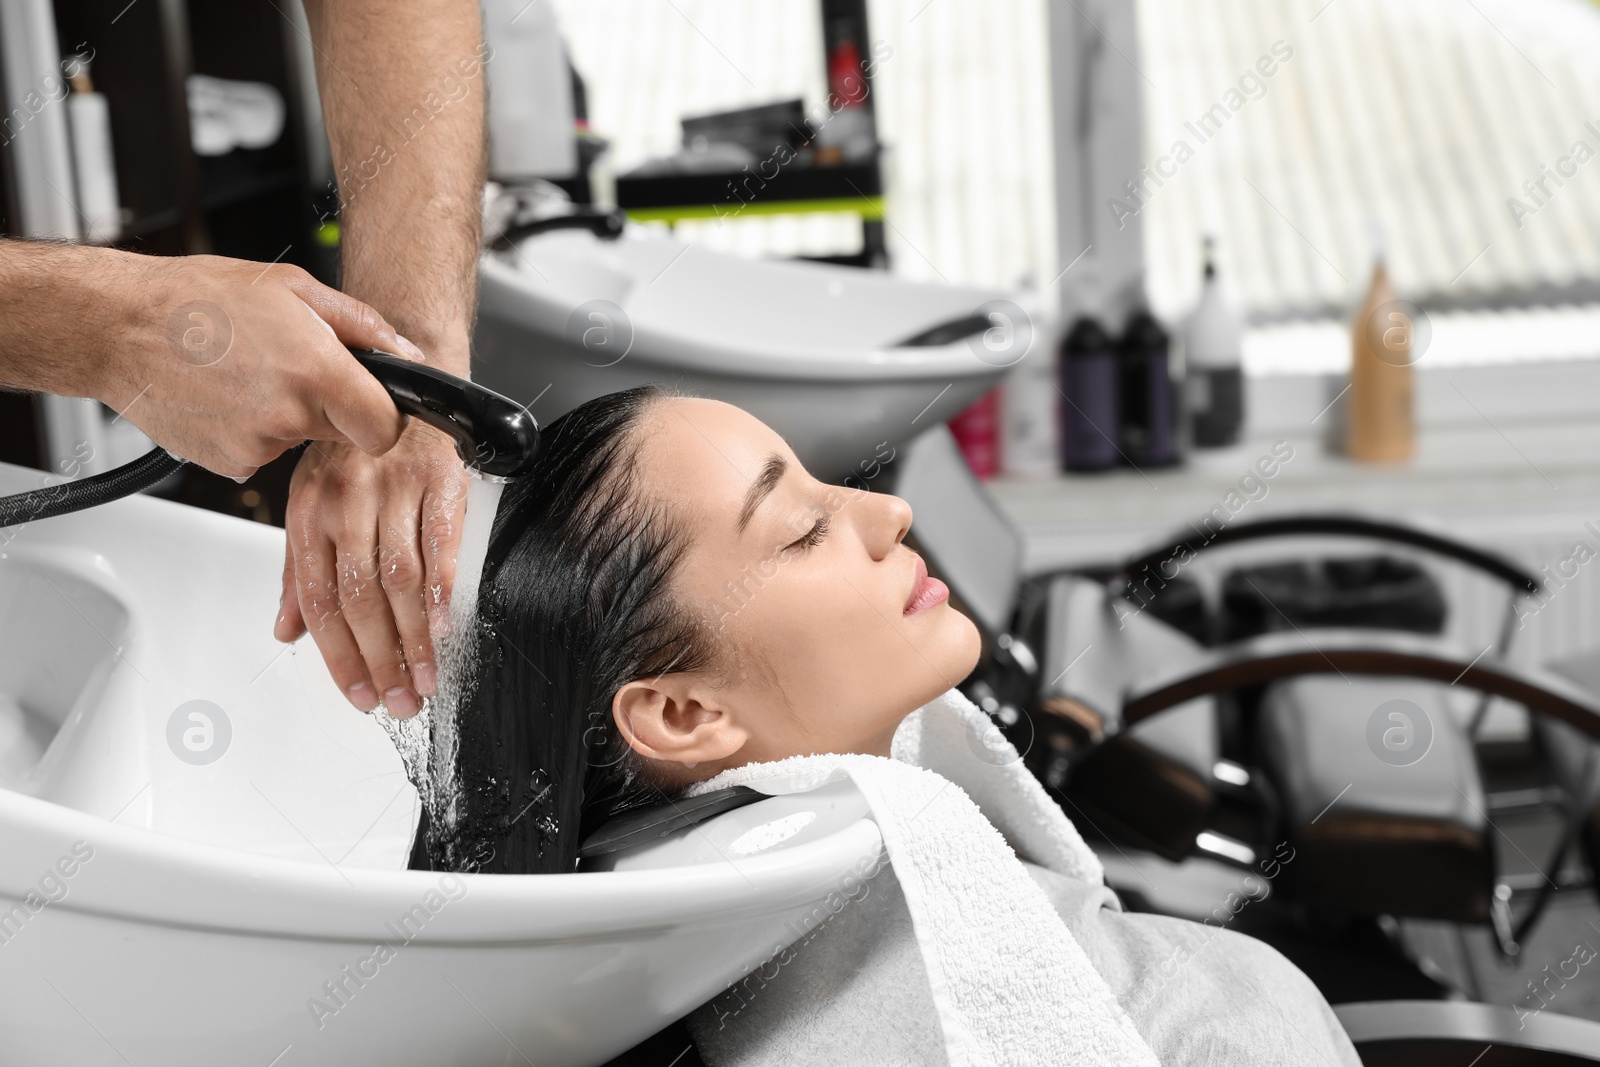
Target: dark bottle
point(1149, 395)
point(1089, 413)
point(1214, 384)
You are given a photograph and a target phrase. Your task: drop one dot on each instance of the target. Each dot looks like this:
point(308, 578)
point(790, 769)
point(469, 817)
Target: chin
point(949, 643)
point(958, 642)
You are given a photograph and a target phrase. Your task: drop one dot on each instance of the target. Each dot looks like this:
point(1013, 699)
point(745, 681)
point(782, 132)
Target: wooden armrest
point(1274, 656)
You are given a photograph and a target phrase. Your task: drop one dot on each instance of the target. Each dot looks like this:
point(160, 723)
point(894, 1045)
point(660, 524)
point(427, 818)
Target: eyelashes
point(812, 537)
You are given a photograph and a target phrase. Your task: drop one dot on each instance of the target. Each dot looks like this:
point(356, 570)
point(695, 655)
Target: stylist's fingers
point(402, 575)
point(290, 623)
point(366, 607)
point(318, 589)
point(354, 404)
point(444, 509)
point(353, 322)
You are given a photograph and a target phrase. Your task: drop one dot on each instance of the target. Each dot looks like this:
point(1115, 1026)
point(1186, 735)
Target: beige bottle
point(1379, 417)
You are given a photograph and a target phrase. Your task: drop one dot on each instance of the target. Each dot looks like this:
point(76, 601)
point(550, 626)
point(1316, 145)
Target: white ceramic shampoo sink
point(201, 844)
point(59, 636)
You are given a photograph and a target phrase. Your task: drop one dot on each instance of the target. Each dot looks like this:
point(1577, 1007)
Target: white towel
point(1010, 984)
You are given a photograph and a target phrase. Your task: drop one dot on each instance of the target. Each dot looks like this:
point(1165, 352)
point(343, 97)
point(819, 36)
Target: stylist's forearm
point(407, 133)
point(51, 305)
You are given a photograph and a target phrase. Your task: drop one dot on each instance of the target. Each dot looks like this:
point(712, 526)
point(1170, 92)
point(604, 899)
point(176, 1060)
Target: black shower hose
point(494, 435)
point(93, 491)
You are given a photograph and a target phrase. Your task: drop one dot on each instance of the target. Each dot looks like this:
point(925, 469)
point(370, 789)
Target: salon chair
point(1574, 764)
point(1389, 818)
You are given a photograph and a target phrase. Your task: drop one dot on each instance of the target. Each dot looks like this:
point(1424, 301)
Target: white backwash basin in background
point(814, 350)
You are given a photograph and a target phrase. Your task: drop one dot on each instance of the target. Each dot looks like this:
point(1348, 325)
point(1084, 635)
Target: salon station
point(701, 533)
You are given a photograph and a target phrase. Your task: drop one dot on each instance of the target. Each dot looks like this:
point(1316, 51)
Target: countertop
point(1480, 480)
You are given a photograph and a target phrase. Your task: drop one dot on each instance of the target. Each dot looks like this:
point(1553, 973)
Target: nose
point(886, 521)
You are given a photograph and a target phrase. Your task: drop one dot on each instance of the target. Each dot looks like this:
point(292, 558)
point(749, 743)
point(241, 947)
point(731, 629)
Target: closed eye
point(812, 537)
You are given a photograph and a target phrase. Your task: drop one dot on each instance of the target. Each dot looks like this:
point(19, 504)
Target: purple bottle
point(1148, 395)
point(1090, 415)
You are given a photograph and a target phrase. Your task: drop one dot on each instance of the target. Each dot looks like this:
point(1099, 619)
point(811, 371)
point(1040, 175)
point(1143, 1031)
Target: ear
point(674, 718)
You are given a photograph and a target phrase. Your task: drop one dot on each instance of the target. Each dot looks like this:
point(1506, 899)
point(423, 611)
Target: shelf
point(854, 188)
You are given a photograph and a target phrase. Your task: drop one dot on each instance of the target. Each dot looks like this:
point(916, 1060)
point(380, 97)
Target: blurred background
point(1268, 259)
point(1085, 156)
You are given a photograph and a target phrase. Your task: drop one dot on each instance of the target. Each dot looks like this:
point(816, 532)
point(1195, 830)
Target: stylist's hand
point(228, 363)
point(371, 563)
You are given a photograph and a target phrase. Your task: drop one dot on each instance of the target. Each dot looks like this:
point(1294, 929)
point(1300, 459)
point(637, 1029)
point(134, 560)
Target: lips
point(926, 591)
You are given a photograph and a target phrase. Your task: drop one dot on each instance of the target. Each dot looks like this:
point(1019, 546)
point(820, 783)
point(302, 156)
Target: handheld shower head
point(494, 435)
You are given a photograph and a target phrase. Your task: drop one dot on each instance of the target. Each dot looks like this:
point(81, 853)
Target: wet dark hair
point(575, 602)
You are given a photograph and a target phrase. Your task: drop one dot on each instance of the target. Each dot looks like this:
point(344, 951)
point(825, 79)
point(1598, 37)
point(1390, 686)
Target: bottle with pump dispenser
point(1213, 342)
point(1380, 423)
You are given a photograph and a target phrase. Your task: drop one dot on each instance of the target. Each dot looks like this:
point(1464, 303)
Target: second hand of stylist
point(372, 540)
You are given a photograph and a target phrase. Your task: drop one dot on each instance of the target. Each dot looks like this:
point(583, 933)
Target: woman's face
point(827, 631)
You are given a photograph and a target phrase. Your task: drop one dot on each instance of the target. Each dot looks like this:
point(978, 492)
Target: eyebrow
point(771, 474)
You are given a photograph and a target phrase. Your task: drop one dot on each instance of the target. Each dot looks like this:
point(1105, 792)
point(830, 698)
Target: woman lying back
point(669, 595)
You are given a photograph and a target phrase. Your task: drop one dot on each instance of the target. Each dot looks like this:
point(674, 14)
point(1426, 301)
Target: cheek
point(824, 643)
point(809, 626)
point(837, 635)
point(811, 636)
point(830, 615)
